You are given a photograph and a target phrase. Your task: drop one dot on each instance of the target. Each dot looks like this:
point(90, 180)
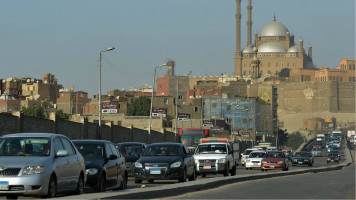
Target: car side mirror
point(112, 157)
point(62, 153)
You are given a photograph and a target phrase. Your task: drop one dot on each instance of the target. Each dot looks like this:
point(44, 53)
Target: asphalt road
point(338, 184)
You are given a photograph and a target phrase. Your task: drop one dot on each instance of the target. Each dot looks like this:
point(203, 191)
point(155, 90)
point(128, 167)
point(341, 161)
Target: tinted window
point(57, 145)
point(68, 146)
point(108, 150)
point(114, 150)
point(90, 151)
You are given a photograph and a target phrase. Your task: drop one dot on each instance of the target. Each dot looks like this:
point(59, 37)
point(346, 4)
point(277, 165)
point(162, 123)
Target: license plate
point(207, 166)
point(155, 171)
point(271, 166)
point(4, 185)
point(255, 163)
point(300, 162)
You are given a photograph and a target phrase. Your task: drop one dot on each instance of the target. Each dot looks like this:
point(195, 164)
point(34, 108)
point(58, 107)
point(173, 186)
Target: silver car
point(40, 164)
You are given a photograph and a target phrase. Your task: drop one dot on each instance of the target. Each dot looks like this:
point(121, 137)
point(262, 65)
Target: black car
point(165, 161)
point(105, 167)
point(303, 158)
point(333, 157)
point(132, 152)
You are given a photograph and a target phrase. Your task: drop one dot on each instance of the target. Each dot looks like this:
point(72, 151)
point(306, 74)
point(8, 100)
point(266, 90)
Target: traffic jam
point(47, 165)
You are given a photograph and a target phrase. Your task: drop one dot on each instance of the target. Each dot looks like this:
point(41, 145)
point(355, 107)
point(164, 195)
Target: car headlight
point(280, 162)
point(264, 162)
point(222, 160)
point(138, 165)
point(248, 161)
point(176, 164)
point(295, 160)
point(30, 170)
point(91, 171)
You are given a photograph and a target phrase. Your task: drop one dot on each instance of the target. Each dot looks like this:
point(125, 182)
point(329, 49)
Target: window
point(329, 78)
point(244, 121)
point(238, 90)
point(195, 109)
point(180, 97)
point(213, 105)
point(57, 145)
point(114, 150)
point(108, 150)
point(228, 107)
point(165, 101)
point(68, 146)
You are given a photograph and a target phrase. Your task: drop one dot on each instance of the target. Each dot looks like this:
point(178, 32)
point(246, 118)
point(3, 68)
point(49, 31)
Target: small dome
point(274, 28)
point(271, 47)
point(248, 49)
point(294, 48)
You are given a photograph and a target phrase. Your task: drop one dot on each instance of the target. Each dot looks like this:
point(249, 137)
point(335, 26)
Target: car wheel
point(184, 177)
point(226, 172)
point(193, 177)
point(246, 168)
point(138, 181)
point(150, 180)
point(233, 171)
point(52, 188)
point(101, 187)
point(80, 186)
point(123, 184)
point(262, 170)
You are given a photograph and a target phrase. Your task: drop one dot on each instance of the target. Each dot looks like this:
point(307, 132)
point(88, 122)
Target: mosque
point(273, 49)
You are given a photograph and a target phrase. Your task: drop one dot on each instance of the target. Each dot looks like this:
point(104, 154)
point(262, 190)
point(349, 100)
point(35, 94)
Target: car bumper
point(164, 173)
point(216, 168)
point(301, 162)
point(253, 165)
point(272, 166)
point(31, 185)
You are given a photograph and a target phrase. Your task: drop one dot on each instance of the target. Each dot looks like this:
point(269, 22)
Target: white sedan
point(254, 159)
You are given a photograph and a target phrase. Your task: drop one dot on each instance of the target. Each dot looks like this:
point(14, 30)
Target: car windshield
point(333, 155)
point(301, 154)
point(316, 149)
point(163, 150)
point(211, 148)
point(256, 155)
point(273, 155)
point(247, 152)
point(90, 151)
point(25, 146)
point(130, 150)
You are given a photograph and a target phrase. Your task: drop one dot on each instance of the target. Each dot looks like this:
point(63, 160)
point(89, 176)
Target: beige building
point(275, 48)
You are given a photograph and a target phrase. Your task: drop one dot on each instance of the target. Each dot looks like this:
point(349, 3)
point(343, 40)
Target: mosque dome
point(271, 47)
point(274, 28)
point(294, 48)
point(248, 49)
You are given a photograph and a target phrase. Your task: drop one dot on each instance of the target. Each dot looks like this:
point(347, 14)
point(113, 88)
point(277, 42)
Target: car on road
point(105, 167)
point(244, 155)
point(335, 152)
point(333, 158)
point(274, 160)
point(254, 159)
point(303, 158)
point(165, 161)
point(132, 152)
point(40, 164)
point(316, 152)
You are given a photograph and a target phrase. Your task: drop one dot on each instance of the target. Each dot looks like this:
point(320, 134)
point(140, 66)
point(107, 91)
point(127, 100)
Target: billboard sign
point(183, 117)
point(208, 123)
point(109, 107)
point(161, 112)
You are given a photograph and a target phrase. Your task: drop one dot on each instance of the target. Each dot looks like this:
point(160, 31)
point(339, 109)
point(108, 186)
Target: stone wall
point(86, 130)
point(309, 97)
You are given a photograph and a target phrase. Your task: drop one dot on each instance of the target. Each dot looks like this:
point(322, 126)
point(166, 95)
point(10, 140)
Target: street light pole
point(107, 49)
point(153, 88)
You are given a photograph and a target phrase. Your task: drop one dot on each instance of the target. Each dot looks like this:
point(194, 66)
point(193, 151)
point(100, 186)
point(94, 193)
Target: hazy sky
point(64, 37)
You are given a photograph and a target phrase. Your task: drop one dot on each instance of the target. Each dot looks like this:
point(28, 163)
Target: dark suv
point(303, 158)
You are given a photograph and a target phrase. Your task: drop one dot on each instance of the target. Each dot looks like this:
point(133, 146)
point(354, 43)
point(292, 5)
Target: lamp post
point(153, 88)
point(104, 50)
point(276, 119)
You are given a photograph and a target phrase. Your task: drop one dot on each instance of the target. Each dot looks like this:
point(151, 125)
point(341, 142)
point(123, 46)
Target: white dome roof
point(248, 49)
point(271, 47)
point(294, 48)
point(274, 28)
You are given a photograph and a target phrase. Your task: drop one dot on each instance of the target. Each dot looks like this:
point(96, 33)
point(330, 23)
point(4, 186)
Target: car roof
point(258, 151)
point(166, 143)
point(31, 135)
point(91, 141)
point(128, 143)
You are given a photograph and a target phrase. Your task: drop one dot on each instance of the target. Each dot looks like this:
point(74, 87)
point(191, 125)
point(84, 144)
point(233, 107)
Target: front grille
point(156, 165)
point(10, 172)
point(272, 162)
point(16, 187)
point(255, 161)
point(207, 161)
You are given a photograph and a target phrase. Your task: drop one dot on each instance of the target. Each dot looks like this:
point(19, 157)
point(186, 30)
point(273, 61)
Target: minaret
point(238, 58)
point(249, 23)
point(310, 52)
point(255, 65)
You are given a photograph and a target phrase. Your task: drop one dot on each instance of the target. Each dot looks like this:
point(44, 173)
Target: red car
point(274, 160)
point(333, 158)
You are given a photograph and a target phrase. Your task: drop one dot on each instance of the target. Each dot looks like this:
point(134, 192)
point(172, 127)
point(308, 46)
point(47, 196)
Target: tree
point(62, 115)
point(282, 137)
point(284, 73)
point(295, 140)
point(42, 111)
point(139, 107)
